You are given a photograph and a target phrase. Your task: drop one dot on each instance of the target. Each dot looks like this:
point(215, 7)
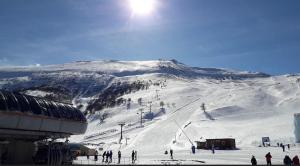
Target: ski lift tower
point(121, 124)
point(150, 105)
point(141, 113)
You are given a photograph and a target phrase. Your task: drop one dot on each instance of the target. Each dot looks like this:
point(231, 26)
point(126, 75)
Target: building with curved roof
point(32, 116)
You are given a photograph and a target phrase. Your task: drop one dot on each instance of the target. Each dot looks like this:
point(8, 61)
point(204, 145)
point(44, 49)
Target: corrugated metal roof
point(12, 101)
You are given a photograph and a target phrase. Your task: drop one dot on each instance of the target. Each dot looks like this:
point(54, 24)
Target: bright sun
point(142, 7)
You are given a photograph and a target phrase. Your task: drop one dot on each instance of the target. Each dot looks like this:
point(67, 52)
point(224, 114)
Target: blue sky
point(253, 35)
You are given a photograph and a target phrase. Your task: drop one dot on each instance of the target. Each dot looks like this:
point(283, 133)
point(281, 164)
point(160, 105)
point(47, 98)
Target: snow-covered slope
point(241, 105)
point(246, 110)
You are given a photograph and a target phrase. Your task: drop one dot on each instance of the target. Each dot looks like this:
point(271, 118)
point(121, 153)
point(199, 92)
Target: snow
point(38, 93)
point(246, 109)
point(233, 157)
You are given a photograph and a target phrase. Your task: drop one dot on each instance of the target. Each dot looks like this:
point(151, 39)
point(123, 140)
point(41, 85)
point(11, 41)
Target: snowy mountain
point(70, 82)
point(241, 105)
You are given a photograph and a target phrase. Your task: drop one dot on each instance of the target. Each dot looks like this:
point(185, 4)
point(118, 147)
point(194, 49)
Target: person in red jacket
point(296, 160)
point(268, 158)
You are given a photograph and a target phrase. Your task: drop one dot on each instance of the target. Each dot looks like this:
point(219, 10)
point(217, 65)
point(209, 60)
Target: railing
point(100, 161)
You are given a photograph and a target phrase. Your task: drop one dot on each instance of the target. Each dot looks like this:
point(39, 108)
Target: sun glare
point(142, 7)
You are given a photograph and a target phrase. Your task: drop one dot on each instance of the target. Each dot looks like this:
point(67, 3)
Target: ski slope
point(241, 105)
point(242, 109)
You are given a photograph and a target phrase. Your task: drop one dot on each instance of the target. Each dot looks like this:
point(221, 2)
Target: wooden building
point(218, 143)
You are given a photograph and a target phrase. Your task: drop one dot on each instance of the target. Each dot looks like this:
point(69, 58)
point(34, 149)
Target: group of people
point(286, 161)
point(283, 146)
point(107, 156)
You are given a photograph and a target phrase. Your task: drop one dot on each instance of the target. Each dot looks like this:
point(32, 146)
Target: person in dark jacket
point(132, 156)
point(193, 149)
point(119, 157)
point(296, 161)
point(287, 161)
point(110, 156)
point(268, 158)
point(253, 160)
point(283, 148)
point(103, 156)
point(107, 156)
point(171, 153)
point(96, 156)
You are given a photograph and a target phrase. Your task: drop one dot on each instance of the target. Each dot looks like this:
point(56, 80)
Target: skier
point(296, 160)
point(132, 156)
point(283, 148)
point(119, 157)
point(268, 158)
point(103, 156)
point(253, 160)
point(171, 153)
point(287, 160)
point(193, 149)
point(288, 145)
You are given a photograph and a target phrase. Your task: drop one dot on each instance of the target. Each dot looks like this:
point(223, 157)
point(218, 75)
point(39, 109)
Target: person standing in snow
point(253, 160)
point(213, 148)
point(103, 156)
point(119, 157)
point(268, 158)
point(287, 161)
point(171, 153)
point(193, 149)
point(96, 156)
point(135, 155)
point(288, 145)
point(110, 156)
point(132, 156)
point(282, 146)
point(107, 156)
point(296, 161)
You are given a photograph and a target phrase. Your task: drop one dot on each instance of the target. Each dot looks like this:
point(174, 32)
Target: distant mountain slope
point(127, 68)
point(88, 78)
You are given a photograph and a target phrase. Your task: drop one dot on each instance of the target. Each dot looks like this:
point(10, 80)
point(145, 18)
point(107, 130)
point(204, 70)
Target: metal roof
point(16, 102)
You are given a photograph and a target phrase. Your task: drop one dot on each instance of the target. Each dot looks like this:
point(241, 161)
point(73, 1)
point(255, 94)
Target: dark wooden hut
point(218, 143)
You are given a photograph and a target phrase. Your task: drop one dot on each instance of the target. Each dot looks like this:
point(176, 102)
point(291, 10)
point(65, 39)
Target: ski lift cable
point(185, 105)
point(183, 132)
